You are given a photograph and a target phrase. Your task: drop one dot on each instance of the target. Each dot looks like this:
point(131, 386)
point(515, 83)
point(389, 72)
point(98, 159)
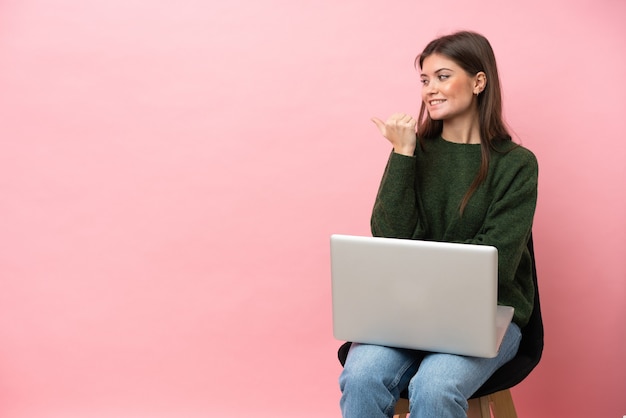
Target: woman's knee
point(432, 392)
point(374, 368)
point(359, 375)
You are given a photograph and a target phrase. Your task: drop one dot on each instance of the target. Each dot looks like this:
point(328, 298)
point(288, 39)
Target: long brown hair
point(472, 52)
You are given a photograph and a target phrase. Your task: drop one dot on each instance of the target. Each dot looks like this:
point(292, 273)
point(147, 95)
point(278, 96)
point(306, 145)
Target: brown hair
point(472, 52)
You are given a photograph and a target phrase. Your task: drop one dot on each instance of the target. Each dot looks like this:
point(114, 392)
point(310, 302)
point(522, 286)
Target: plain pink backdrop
point(170, 173)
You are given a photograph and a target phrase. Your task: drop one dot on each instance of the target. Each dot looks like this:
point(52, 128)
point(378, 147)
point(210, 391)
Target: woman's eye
point(424, 81)
point(443, 77)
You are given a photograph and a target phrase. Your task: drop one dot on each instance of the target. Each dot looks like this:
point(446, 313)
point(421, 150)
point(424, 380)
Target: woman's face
point(447, 90)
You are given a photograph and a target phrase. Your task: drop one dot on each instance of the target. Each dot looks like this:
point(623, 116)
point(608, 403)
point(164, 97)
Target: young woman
point(454, 175)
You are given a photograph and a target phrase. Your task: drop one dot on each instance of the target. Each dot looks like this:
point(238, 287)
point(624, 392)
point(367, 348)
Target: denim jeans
point(438, 384)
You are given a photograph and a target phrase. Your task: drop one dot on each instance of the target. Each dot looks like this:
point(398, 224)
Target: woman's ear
point(480, 82)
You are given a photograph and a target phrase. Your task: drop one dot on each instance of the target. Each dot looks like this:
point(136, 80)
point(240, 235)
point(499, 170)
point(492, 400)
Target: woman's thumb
point(379, 124)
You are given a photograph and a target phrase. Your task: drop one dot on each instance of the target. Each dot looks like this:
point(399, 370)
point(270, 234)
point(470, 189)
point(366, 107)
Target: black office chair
point(494, 396)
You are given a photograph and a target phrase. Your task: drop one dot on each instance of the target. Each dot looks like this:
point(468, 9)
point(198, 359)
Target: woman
point(460, 179)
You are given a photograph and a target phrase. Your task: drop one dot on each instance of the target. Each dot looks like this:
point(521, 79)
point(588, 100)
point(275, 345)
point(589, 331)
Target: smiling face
point(448, 92)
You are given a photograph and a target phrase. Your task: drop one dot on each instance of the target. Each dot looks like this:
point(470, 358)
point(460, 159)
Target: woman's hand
point(399, 129)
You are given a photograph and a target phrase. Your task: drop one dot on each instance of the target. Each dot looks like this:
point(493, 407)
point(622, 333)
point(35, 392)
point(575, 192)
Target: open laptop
point(426, 295)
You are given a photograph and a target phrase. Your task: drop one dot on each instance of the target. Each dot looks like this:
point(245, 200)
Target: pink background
point(170, 173)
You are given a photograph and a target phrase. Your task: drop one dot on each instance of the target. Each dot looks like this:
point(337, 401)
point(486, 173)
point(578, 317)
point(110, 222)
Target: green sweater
point(419, 198)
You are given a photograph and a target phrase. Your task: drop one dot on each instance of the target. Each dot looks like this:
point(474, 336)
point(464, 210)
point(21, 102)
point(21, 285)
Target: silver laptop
point(425, 295)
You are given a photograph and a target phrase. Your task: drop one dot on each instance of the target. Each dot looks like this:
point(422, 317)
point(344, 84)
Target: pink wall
point(170, 173)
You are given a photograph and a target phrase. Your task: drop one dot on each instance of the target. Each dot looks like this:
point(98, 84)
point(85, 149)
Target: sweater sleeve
point(508, 226)
point(395, 209)
point(509, 219)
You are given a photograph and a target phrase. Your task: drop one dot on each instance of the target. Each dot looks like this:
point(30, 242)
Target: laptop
point(424, 295)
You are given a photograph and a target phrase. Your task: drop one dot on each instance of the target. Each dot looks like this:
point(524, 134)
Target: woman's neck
point(465, 131)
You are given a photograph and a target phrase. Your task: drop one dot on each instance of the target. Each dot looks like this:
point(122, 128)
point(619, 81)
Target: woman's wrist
point(408, 150)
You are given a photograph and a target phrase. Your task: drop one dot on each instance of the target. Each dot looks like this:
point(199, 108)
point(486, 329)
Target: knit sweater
point(419, 198)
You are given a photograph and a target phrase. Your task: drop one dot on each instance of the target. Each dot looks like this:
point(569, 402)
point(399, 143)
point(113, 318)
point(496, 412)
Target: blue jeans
point(438, 384)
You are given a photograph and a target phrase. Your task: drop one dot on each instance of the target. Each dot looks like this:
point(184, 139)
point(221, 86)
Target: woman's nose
point(431, 88)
